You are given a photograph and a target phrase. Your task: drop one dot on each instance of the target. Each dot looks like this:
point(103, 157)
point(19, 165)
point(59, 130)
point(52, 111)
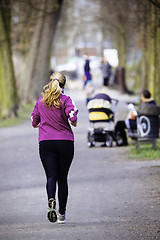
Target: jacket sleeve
point(35, 117)
point(71, 110)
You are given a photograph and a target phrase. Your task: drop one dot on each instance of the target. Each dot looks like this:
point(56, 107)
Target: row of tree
point(132, 27)
point(137, 39)
point(28, 28)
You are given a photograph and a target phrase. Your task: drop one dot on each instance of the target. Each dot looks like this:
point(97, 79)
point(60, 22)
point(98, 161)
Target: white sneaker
point(61, 218)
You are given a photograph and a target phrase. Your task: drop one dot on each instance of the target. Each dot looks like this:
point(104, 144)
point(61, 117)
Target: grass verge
point(23, 114)
point(145, 151)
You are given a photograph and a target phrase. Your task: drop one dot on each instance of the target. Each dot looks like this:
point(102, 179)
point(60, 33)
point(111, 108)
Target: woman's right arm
point(74, 123)
point(71, 111)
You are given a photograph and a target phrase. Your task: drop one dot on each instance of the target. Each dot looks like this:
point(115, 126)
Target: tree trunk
point(121, 45)
point(157, 92)
point(156, 50)
point(8, 94)
point(37, 66)
point(154, 62)
point(152, 49)
point(146, 58)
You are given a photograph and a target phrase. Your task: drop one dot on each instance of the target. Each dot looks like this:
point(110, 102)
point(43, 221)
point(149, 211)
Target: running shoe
point(52, 216)
point(61, 218)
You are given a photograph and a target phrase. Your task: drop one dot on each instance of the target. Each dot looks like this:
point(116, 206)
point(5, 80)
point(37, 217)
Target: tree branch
point(155, 3)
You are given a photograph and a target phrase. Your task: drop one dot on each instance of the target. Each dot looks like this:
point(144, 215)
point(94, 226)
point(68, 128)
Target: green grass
point(23, 115)
point(145, 151)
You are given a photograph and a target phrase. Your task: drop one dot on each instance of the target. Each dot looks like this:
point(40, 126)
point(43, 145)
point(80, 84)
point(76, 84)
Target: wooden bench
point(147, 126)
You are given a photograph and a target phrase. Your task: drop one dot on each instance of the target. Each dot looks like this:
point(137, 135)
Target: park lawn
point(23, 114)
point(145, 151)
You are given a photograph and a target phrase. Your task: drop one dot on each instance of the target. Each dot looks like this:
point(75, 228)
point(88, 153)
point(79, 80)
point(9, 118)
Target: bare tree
point(130, 26)
point(40, 20)
point(8, 93)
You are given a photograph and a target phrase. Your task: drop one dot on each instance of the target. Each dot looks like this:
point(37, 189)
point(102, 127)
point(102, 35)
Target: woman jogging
point(56, 141)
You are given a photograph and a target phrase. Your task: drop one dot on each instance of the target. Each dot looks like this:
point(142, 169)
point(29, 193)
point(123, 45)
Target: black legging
point(105, 81)
point(56, 157)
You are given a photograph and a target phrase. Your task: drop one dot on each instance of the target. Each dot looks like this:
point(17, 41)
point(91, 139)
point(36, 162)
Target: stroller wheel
point(91, 144)
point(109, 140)
point(119, 139)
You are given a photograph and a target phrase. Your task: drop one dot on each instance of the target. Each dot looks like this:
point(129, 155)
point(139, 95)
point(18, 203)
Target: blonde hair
point(52, 91)
point(59, 77)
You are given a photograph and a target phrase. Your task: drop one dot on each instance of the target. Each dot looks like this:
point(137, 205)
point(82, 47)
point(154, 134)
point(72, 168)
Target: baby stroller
point(101, 120)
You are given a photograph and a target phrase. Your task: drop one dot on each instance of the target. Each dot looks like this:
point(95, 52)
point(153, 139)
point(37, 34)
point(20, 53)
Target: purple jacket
point(53, 123)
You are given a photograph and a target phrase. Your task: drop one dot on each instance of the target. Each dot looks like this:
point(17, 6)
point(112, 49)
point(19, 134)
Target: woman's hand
point(37, 126)
point(74, 123)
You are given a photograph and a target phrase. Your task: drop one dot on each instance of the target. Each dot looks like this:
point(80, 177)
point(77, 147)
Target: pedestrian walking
point(87, 77)
point(53, 113)
point(106, 69)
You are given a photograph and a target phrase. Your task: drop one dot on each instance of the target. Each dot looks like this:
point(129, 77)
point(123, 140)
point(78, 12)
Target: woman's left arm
point(35, 117)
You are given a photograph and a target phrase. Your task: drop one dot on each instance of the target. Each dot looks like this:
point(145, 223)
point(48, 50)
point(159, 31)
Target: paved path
point(111, 197)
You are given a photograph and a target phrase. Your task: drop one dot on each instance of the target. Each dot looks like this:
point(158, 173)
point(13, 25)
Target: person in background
point(146, 99)
point(130, 122)
point(53, 113)
point(87, 72)
point(106, 69)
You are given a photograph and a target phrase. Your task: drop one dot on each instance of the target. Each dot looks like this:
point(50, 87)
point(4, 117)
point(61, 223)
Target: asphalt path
point(110, 196)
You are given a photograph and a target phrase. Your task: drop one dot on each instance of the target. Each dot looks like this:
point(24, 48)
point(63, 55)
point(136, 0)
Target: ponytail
point(60, 77)
point(51, 94)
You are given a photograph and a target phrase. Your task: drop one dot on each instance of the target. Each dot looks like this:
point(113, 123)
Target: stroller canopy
point(100, 108)
point(102, 96)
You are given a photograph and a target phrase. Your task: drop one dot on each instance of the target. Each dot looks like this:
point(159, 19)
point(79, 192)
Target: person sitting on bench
point(130, 122)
